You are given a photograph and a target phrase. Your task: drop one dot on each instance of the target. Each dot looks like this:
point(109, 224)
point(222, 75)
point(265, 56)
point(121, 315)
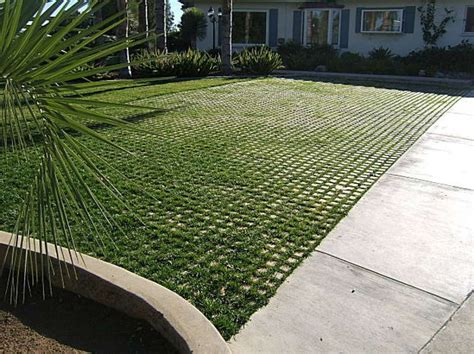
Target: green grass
point(242, 179)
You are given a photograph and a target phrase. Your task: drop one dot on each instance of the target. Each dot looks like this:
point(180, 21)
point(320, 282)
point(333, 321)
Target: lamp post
point(213, 18)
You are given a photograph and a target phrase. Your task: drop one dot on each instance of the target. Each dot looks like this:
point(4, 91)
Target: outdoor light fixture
point(210, 12)
point(213, 18)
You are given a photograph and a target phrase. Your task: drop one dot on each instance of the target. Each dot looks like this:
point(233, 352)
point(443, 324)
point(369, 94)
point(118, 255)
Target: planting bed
point(69, 323)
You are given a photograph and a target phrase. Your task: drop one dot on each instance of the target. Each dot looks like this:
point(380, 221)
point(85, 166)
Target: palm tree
point(193, 26)
point(42, 56)
point(226, 49)
point(122, 32)
point(160, 25)
point(143, 19)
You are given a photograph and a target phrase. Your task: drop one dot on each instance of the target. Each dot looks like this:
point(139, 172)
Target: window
point(322, 27)
point(249, 27)
point(469, 20)
point(382, 21)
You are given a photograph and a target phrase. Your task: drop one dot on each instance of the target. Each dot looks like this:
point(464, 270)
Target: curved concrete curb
point(175, 318)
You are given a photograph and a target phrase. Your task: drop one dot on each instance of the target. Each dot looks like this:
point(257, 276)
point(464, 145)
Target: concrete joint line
point(449, 136)
point(446, 322)
point(430, 182)
point(389, 278)
point(459, 113)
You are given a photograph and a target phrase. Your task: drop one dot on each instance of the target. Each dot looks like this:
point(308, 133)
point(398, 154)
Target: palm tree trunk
point(122, 32)
point(227, 37)
point(160, 24)
point(143, 22)
point(98, 18)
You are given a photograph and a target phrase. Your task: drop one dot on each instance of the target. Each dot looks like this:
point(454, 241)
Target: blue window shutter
point(358, 19)
point(298, 27)
point(409, 14)
point(345, 17)
point(273, 28)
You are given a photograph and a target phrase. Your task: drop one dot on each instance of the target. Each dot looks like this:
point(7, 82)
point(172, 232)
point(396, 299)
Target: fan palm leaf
point(42, 46)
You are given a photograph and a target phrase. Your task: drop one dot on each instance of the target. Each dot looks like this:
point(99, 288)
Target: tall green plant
point(40, 53)
point(432, 32)
point(193, 25)
point(259, 61)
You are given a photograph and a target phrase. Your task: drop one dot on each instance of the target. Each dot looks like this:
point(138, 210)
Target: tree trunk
point(122, 32)
point(227, 37)
point(160, 24)
point(98, 18)
point(143, 22)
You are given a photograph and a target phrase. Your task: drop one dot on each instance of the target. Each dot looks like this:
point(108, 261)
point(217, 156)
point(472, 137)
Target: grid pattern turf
point(241, 182)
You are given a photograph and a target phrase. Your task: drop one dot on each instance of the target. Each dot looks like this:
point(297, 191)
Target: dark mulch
point(67, 322)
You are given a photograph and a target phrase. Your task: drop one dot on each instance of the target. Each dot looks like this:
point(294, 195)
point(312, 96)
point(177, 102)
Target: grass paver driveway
point(242, 179)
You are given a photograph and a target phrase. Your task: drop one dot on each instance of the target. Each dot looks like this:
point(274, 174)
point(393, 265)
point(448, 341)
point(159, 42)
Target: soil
point(69, 323)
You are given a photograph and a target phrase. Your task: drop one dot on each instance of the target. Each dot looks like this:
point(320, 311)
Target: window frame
point(330, 23)
point(267, 27)
point(400, 11)
point(465, 22)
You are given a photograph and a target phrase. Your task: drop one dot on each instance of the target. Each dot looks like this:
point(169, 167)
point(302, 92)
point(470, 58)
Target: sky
point(176, 8)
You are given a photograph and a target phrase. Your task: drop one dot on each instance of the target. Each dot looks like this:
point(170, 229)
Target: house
point(356, 26)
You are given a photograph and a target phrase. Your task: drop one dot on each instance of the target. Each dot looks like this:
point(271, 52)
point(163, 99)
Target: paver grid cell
point(248, 178)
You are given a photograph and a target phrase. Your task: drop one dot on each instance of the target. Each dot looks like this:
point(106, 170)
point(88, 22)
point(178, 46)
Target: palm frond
point(41, 49)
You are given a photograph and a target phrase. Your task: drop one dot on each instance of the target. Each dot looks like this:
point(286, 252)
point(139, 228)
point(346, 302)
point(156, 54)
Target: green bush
point(294, 56)
point(461, 57)
point(381, 53)
point(176, 42)
point(381, 61)
point(259, 61)
point(297, 57)
point(381, 66)
point(452, 59)
point(106, 75)
point(194, 63)
point(321, 54)
point(350, 63)
point(153, 63)
point(193, 26)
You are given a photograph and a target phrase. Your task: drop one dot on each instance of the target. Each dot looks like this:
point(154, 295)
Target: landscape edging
point(171, 315)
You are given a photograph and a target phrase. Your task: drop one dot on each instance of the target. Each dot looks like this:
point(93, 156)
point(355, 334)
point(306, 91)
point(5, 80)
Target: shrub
point(176, 42)
point(215, 53)
point(461, 58)
point(297, 57)
point(381, 53)
point(193, 26)
point(294, 56)
point(193, 63)
point(321, 54)
point(350, 63)
point(153, 63)
point(290, 48)
point(453, 59)
point(105, 75)
point(259, 60)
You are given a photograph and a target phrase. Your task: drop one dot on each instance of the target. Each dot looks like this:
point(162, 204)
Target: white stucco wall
point(285, 18)
point(401, 43)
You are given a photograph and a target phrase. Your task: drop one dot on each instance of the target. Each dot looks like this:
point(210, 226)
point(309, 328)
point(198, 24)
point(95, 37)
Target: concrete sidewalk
point(395, 275)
